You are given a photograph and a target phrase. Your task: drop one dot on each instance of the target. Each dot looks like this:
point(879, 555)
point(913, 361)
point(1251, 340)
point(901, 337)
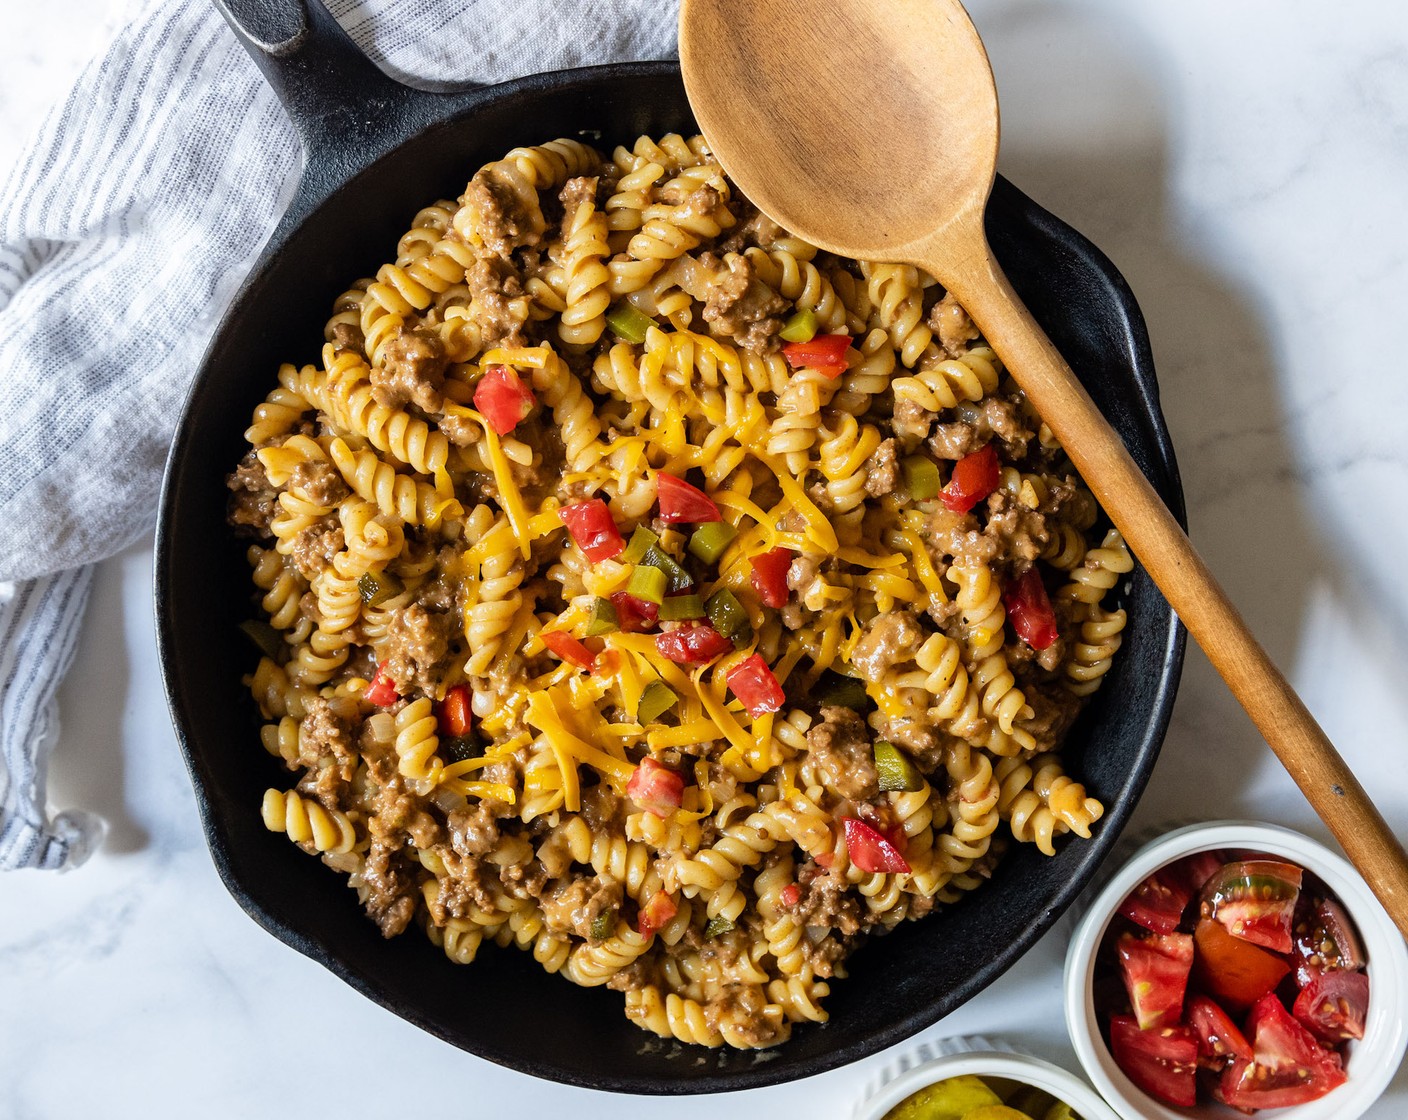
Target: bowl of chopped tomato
point(1233, 967)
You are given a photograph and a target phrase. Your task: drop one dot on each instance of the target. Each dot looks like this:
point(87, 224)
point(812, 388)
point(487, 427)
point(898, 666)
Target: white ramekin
point(930, 1062)
point(1371, 1062)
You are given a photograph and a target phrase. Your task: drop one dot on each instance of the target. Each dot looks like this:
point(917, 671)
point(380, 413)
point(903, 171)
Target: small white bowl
point(930, 1063)
point(1371, 1062)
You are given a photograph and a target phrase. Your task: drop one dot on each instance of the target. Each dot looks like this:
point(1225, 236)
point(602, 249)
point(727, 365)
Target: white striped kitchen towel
point(125, 229)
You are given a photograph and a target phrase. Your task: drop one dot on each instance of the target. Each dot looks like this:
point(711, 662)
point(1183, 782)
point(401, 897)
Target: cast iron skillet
point(376, 152)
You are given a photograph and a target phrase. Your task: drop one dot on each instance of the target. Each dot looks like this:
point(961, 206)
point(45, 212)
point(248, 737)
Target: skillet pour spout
point(376, 152)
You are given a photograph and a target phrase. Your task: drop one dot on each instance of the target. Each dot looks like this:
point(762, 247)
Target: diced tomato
point(1155, 970)
point(974, 477)
point(886, 823)
point(592, 527)
point(823, 859)
point(754, 684)
point(454, 714)
point(1234, 972)
point(1219, 1040)
point(770, 576)
point(825, 353)
point(381, 691)
point(1195, 870)
point(1029, 608)
point(568, 648)
point(1334, 1005)
point(503, 399)
point(1162, 1062)
point(791, 895)
point(655, 788)
point(1256, 900)
point(868, 850)
point(634, 616)
point(1158, 902)
point(1289, 1066)
point(694, 643)
point(1323, 940)
point(679, 501)
point(656, 913)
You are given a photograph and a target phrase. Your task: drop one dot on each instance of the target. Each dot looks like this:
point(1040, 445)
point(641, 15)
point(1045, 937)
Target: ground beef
point(840, 745)
point(601, 808)
point(319, 482)
point(474, 831)
point(411, 371)
point(502, 210)
point(827, 902)
point(951, 323)
point(573, 906)
point(462, 888)
point(326, 732)
point(959, 537)
point(741, 306)
point(1018, 531)
point(348, 336)
point(888, 640)
point(979, 424)
point(253, 502)
point(911, 421)
point(882, 470)
point(753, 228)
point(500, 304)
point(921, 740)
point(392, 887)
point(416, 650)
point(313, 548)
point(744, 1008)
point(575, 192)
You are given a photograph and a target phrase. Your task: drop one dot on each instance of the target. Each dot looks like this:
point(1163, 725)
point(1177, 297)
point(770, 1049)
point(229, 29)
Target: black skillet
point(375, 153)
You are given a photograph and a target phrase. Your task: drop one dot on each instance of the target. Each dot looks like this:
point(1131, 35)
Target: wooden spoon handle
point(1170, 559)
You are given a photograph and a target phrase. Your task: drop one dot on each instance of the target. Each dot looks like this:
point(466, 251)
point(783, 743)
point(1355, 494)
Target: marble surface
point(1244, 164)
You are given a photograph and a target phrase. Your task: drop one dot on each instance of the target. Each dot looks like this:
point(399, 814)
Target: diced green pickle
point(376, 588)
point(603, 925)
point(265, 638)
point(717, 926)
point(603, 619)
point(639, 544)
point(894, 768)
point(921, 477)
point(677, 608)
point(709, 541)
point(838, 691)
point(657, 699)
point(460, 748)
point(648, 583)
point(800, 328)
point(951, 1099)
point(656, 557)
point(629, 323)
point(727, 615)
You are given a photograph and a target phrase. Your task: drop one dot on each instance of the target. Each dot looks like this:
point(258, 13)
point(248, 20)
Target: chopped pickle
point(895, 769)
point(377, 587)
point(709, 541)
point(603, 619)
point(641, 541)
point(459, 748)
point(951, 1099)
point(727, 615)
point(629, 323)
point(657, 699)
point(648, 583)
point(800, 328)
point(837, 691)
point(655, 557)
point(603, 925)
point(717, 926)
point(265, 638)
point(677, 608)
point(921, 477)
point(1060, 1111)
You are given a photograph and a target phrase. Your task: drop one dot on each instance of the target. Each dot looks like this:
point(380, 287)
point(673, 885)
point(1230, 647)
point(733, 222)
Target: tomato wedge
point(974, 477)
point(503, 399)
point(1195, 870)
point(1158, 902)
point(656, 913)
point(825, 353)
point(1288, 1068)
point(454, 713)
point(1155, 970)
point(869, 850)
point(1323, 940)
point(1029, 608)
point(1333, 1006)
point(679, 501)
point(568, 648)
point(381, 690)
point(594, 529)
point(694, 643)
point(1234, 972)
point(1219, 1040)
point(633, 615)
point(655, 788)
point(1255, 900)
point(753, 683)
point(770, 576)
point(1163, 1062)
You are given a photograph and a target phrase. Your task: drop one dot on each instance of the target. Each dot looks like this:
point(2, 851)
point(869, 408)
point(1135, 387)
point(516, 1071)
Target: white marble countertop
point(1245, 164)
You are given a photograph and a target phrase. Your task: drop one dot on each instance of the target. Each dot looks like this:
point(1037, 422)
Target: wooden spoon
point(870, 128)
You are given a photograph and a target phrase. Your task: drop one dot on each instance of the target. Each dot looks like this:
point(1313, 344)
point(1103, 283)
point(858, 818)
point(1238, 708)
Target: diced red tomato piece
point(1323, 940)
point(694, 643)
point(568, 648)
point(770, 576)
point(1288, 1068)
point(655, 788)
point(1162, 1062)
point(1334, 1005)
point(656, 913)
point(454, 714)
point(791, 895)
point(1158, 902)
point(679, 501)
point(823, 859)
point(825, 353)
point(503, 399)
point(1029, 608)
point(1195, 870)
point(381, 690)
point(974, 477)
point(869, 851)
point(1155, 970)
point(593, 528)
point(1219, 1040)
point(634, 616)
point(754, 684)
point(1234, 972)
point(1255, 900)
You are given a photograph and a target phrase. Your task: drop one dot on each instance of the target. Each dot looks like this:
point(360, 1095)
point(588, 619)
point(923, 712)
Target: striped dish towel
point(125, 229)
